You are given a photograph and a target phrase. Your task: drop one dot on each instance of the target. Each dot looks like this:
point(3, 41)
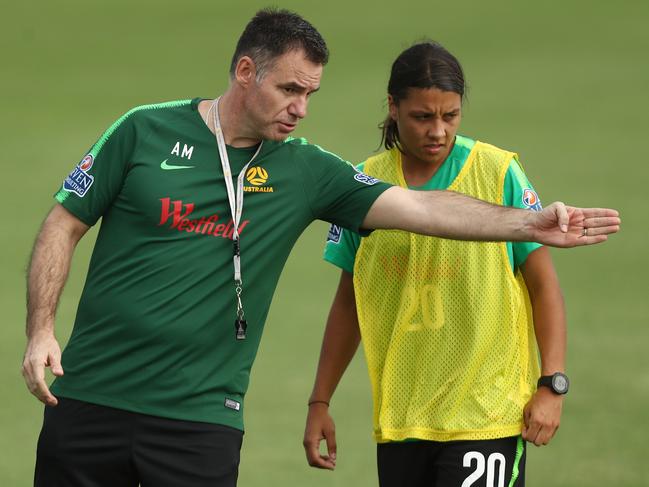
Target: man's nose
point(298, 107)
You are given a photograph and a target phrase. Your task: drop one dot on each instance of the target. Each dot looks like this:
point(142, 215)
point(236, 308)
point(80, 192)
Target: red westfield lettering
point(178, 212)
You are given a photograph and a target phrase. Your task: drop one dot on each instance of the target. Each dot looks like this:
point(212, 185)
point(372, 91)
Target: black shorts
point(480, 463)
point(83, 445)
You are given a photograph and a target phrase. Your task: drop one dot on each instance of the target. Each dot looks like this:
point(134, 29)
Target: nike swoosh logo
point(167, 167)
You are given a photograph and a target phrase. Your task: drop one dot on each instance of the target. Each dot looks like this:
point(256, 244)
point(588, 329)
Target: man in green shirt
point(182, 274)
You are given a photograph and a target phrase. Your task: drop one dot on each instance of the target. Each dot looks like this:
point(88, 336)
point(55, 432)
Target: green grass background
point(564, 83)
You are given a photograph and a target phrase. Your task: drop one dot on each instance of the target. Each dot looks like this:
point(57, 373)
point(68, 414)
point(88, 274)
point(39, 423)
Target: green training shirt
point(342, 245)
point(154, 331)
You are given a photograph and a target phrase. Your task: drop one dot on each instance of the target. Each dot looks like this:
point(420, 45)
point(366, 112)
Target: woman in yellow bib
point(450, 329)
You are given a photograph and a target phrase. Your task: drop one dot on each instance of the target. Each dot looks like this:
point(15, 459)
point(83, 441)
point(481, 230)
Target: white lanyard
point(236, 209)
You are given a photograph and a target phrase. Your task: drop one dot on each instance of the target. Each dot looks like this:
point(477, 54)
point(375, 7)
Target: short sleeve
point(340, 249)
point(95, 181)
point(339, 194)
point(519, 193)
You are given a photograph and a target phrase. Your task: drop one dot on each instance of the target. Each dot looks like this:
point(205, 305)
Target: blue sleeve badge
point(531, 200)
point(79, 181)
point(335, 232)
point(365, 179)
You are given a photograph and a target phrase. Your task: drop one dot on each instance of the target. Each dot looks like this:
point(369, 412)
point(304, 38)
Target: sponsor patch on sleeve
point(531, 200)
point(79, 181)
point(232, 404)
point(335, 232)
point(365, 179)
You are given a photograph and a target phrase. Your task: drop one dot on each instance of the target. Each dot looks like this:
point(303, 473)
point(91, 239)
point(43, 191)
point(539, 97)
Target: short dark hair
point(273, 32)
point(424, 65)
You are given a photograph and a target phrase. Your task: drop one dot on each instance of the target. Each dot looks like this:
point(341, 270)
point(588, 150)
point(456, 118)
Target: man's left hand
point(542, 415)
point(559, 225)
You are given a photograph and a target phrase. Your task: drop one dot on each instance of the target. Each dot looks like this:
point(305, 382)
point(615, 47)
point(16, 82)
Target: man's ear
point(245, 71)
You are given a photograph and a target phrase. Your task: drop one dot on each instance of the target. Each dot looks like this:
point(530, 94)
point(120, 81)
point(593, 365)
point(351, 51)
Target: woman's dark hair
point(424, 65)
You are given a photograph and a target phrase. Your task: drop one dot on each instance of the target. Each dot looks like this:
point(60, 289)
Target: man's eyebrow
point(298, 87)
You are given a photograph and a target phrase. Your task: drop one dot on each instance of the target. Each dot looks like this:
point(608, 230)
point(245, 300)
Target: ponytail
point(390, 133)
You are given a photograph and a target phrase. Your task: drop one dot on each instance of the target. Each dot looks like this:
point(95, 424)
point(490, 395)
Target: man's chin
point(278, 135)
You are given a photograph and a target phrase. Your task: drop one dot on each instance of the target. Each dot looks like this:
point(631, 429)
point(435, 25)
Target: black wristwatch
point(557, 382)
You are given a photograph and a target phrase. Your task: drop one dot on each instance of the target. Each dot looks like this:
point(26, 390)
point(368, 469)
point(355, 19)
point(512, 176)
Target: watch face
point(560, 383)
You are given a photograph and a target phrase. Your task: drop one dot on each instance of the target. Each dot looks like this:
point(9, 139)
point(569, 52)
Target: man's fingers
point(593, 240)
point(597, 226)
point(602, 221)
point(54, 360)
point(562, 216)
point(43, 393)
point(599, 212)
point(594, 232)
point(34, 375)
point(38, 387)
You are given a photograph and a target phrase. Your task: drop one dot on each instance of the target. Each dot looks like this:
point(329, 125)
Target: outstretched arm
point(542, 414)
point(452, 215)
point(48, 271)
point(340, 342)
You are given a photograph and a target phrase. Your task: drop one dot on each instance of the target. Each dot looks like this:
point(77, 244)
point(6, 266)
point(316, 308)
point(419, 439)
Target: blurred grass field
point(563, 83)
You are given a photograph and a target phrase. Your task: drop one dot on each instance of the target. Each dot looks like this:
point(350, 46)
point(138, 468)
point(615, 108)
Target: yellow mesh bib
point(446, 326)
